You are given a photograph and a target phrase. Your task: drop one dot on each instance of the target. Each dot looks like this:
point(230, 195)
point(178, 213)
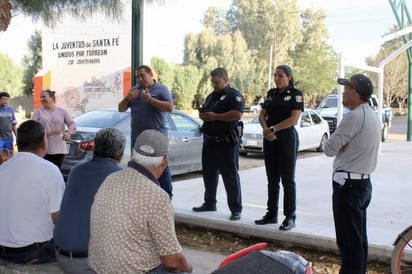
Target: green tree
point(10, 76)
point(395, 84)
point(265, 24)
point(185, 86)
point(315, 62)
point(164, 71)
point(50, 11)
point(261, 24)
point(32, 62)
point(207, 51)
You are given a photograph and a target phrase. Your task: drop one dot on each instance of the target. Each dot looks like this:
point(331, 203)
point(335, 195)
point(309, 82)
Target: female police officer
point(280, 112)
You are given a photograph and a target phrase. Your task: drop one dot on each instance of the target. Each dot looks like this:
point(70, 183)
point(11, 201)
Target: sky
point(354, 26)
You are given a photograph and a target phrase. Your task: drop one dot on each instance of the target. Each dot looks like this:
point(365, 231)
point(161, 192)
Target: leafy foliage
point(32, 62)
point(164, 71)
point(10, 76)
point(240, 40)
point(185, 85)
point(395, 84)
point(49, 11)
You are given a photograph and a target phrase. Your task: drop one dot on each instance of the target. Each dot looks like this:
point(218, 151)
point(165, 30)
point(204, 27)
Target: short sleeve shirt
point(52, 120)
point(279, 105)
point(221, 102)
point(145, 116)
point(32, 191)
point(132, 224)
point(7, 120)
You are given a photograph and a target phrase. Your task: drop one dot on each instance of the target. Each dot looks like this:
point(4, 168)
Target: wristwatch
point(273, 129)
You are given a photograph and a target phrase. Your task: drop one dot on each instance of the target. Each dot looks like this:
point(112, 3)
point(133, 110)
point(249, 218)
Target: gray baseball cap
point(152, 143)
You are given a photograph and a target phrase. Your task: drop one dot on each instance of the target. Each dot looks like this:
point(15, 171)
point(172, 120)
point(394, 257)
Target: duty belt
point(221, 138)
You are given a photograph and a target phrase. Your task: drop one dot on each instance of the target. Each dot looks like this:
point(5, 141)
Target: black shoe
point(235, 216)
point(267, 219)
point(203, 208)
point(287, 224)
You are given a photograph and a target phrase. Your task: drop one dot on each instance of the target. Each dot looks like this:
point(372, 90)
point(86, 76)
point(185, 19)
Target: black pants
point(280, 163)
point(222, 158)
point(350, 202)
point(56, 159)
point(36, 253)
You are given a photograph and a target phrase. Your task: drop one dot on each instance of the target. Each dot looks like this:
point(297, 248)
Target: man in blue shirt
point(72, 231)
point(149, 102)
point(8, 122)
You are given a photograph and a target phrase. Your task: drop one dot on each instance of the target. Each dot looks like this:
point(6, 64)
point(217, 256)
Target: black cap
point(359, 82)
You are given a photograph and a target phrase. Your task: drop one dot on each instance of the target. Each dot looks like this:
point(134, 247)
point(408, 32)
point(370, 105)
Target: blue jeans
point(6, 143)
point(350, 202)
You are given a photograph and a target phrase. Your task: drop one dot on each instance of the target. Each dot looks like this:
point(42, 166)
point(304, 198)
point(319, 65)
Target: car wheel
point(321, 147)
point(384, 132)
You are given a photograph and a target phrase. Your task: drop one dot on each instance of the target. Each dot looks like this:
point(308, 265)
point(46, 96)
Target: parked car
point(313, 132)
point(185, 139)
point(254, 107)
point(329, 111)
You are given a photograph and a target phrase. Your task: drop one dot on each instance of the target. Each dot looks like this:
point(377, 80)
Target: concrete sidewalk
point(388, 214)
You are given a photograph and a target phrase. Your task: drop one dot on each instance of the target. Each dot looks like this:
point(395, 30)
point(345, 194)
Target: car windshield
point(329, 103)
point(99, 118)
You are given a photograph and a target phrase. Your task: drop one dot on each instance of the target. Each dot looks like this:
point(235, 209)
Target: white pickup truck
point(328, 110)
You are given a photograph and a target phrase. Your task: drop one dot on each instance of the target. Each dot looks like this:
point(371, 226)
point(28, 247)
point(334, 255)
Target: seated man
point(72, 231)
point(31, 190)
point(132, 227)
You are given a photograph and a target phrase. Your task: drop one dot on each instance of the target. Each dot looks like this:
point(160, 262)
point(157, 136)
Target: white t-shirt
point(31, 189)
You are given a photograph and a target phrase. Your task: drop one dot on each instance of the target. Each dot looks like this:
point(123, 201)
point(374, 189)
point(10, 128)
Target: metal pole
point(137, 37)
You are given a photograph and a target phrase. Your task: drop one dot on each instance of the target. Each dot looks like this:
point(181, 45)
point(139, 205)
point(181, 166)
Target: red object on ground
point(241, 253)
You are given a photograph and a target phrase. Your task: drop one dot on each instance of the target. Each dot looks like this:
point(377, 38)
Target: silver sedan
point(313, 132)
point(184, 132)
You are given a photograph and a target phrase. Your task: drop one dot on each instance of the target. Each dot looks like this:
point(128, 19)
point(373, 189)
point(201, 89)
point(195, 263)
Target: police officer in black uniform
point(221, 113)
point(280, 112)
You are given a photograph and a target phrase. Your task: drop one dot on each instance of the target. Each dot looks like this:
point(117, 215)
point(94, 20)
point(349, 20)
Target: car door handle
point(185, 139)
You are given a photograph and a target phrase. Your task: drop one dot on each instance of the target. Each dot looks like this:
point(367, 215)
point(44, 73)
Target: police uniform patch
point(287, 98)
point(239, 99)
point(299, 98)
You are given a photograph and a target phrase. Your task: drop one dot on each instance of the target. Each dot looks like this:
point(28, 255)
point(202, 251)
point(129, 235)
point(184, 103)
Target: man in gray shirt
point(355, 145)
